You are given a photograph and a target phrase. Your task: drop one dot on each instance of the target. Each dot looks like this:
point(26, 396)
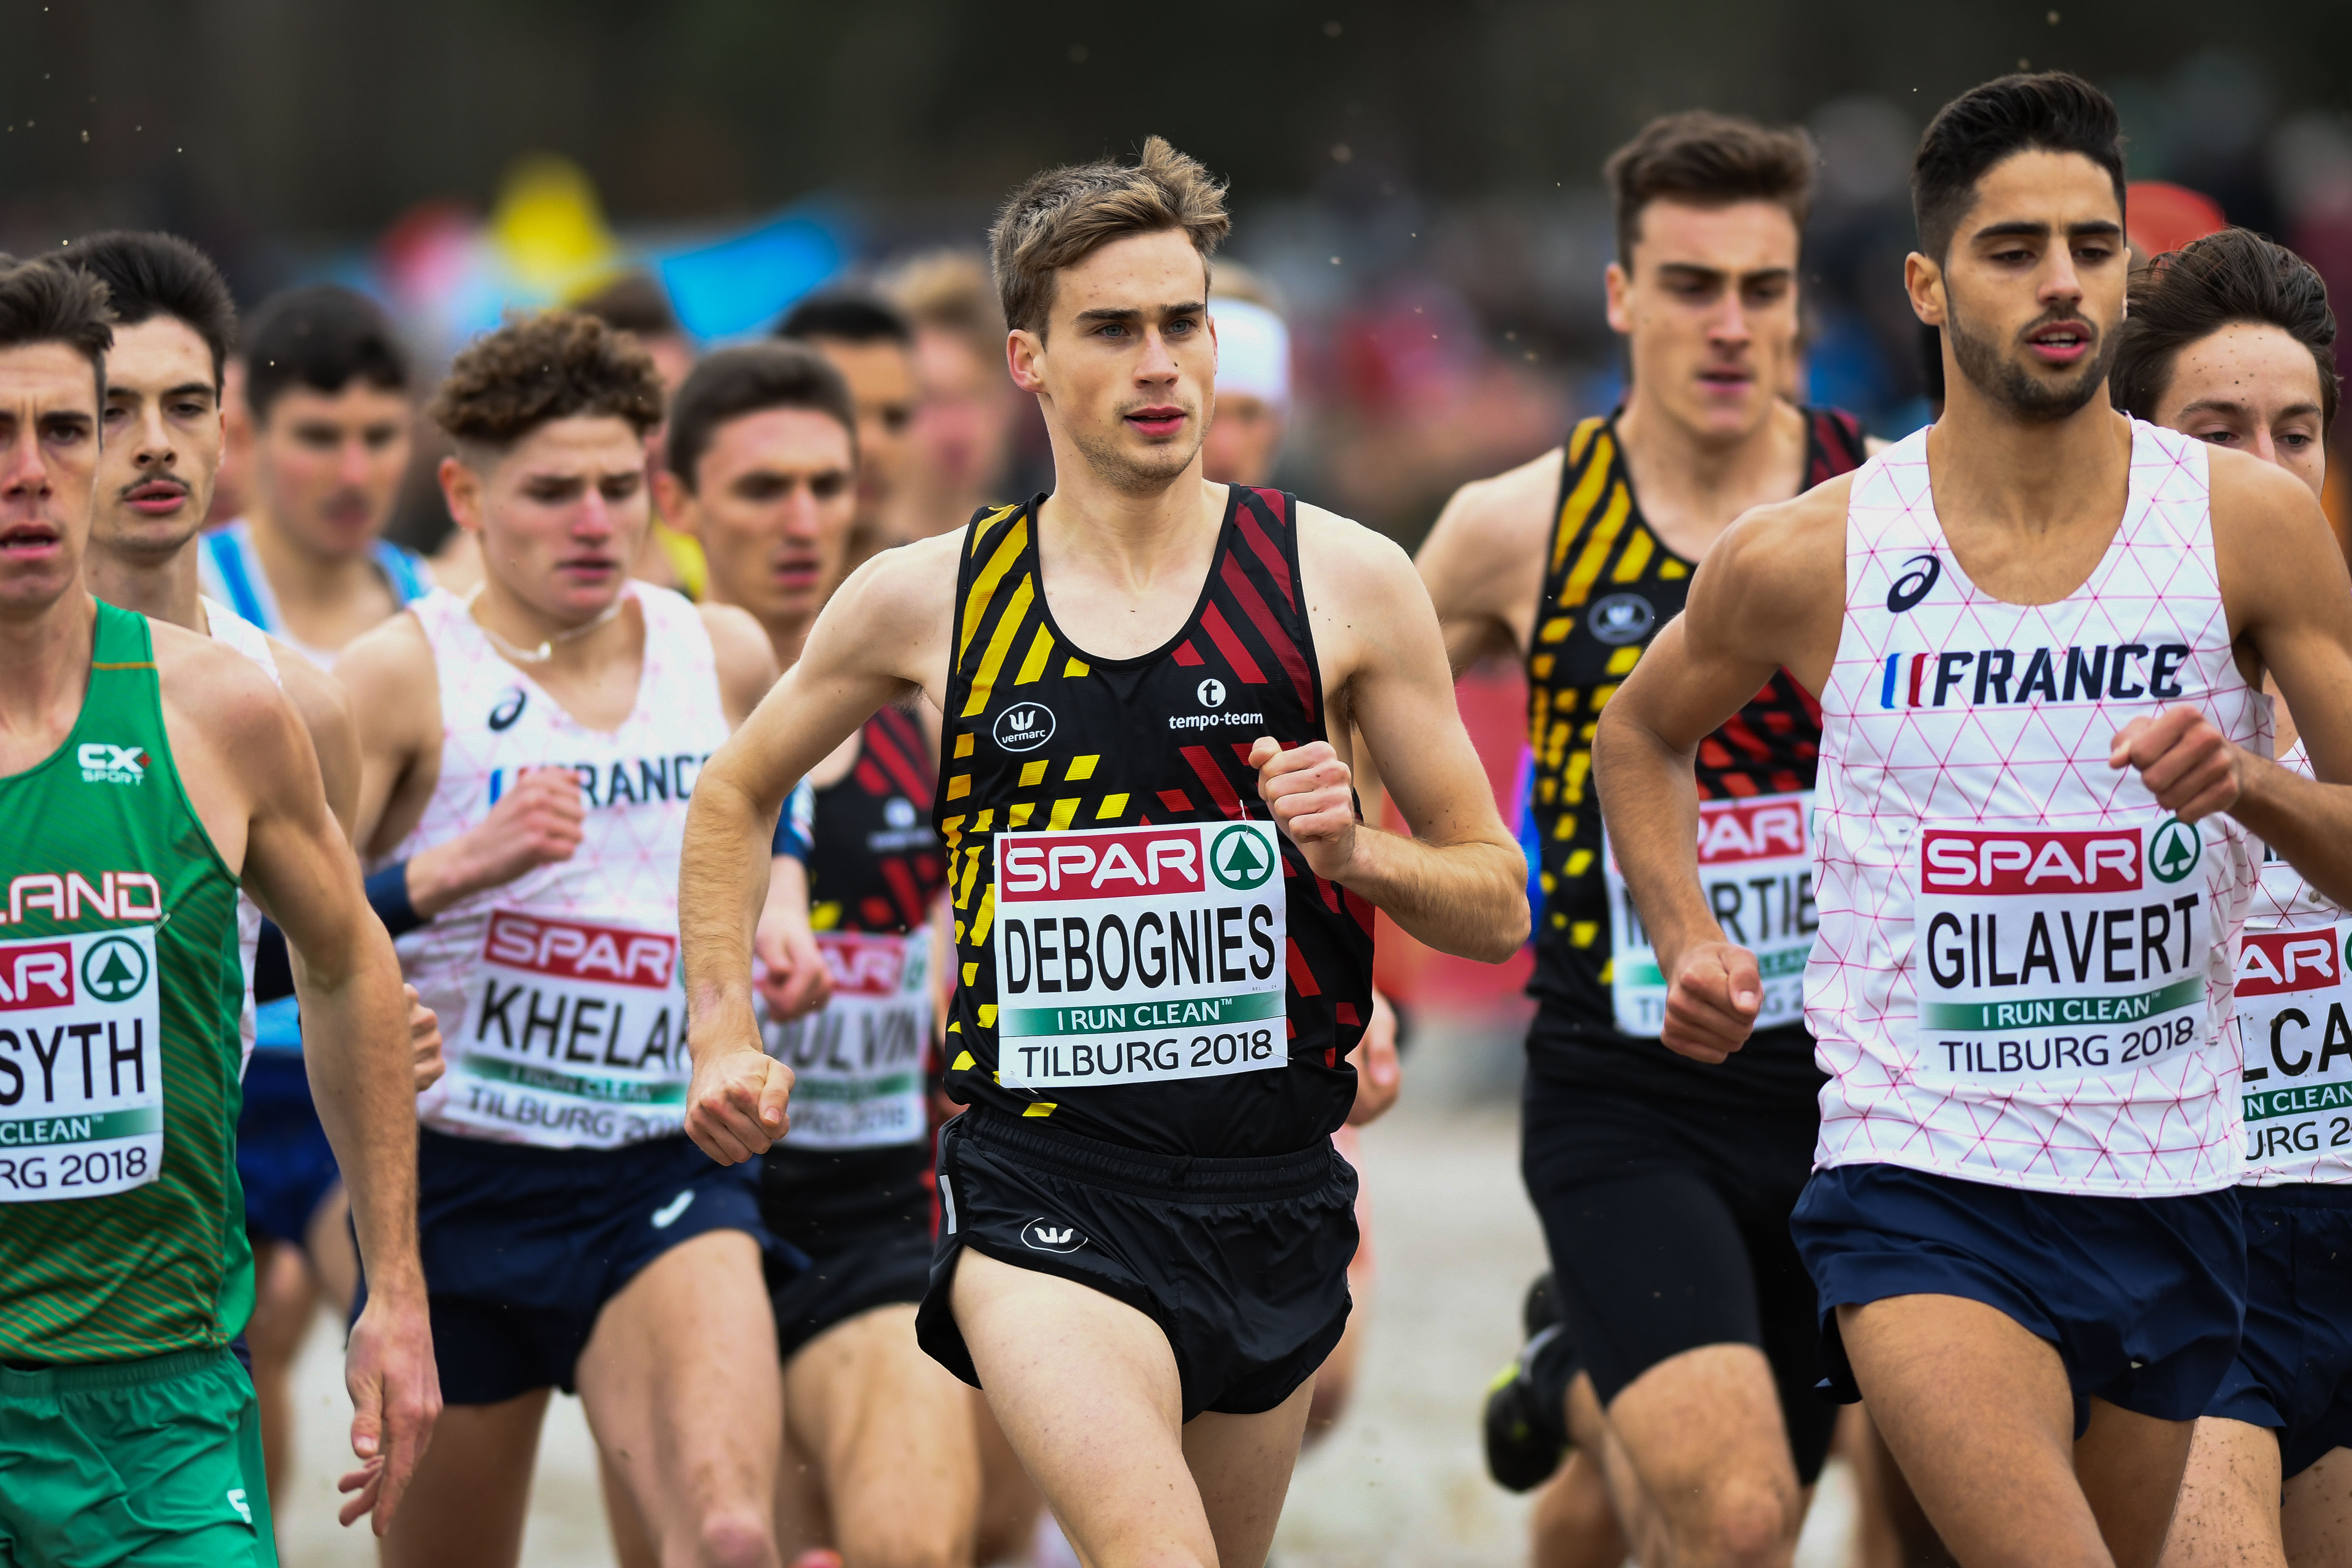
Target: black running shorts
point(1667, 1221)
point(1241, 1263)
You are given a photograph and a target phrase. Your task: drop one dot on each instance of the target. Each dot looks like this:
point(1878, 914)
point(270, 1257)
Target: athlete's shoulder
point(2251, 493)
point(1506, 509)
point(1783, 557)
point(223, 690)
point(1331, 542)
point(917, 577)
point(391, 679)
point(744, 658)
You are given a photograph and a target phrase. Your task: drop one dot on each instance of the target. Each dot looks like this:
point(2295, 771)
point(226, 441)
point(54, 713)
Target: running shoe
point(1525, 1418)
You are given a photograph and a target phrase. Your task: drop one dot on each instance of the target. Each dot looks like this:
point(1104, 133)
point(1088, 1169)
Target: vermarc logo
point(1024, 727)
point(1046, 1236)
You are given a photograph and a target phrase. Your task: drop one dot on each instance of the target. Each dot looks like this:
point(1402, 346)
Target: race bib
point(2297, 1042)
point(1755, 860)
point(2041, 957)
point(81, 1066)
point(573, 1035)
point(857, 1066)
point(1139, 954)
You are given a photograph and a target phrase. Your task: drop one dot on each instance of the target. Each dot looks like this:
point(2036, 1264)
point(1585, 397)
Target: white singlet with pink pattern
point(561, 999)
point(2023, 971)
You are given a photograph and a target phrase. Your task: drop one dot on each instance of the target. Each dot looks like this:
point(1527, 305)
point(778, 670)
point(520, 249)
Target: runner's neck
point(1122, 572)
point(593, 677)
point(1691, 488)
point(169, 589)
point(46, 656)
point(314, 591)
point(2029, 510)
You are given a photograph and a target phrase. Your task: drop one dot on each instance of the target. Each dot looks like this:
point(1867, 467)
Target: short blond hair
point(1062, 216)
point(948, 291)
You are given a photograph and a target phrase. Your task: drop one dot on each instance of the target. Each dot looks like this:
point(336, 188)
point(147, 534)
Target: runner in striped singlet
point(1665, 1187)
point(1162, 891)
point(2031, 628)
point(163, 772)
point(2231, 341)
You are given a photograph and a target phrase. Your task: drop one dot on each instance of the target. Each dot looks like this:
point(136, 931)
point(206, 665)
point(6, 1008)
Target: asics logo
point(509, 708)
point(1913, 587)
point(666, 1215)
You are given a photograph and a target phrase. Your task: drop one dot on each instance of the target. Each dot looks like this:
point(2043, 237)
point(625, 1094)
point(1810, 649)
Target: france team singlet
point(2294, 1024)
point(1144, 959)
point(561, 1003)
point(2023, 971)
point(1609, 587)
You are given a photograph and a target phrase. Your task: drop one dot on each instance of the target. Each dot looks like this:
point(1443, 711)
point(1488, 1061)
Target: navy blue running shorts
point(2143, 1297)
point(2293, 1371)
point(283, 1159)
point(1241, 1263)
point(523, 1246)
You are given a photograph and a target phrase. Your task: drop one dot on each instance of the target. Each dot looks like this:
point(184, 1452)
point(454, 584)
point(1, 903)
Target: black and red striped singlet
point(1043, 736)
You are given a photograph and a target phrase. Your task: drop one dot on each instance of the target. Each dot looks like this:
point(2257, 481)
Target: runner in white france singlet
point(2294, 1026)
point(562, 1005)
point(2023, 969)
point(228, 626)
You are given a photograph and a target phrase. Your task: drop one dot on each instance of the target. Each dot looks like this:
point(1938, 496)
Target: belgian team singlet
point(2294, 1024)
point(1144, 959)
point(2023, 972)
point(874, 870)
point(121, 1222)
point(1609, 587)
point(561, 1003)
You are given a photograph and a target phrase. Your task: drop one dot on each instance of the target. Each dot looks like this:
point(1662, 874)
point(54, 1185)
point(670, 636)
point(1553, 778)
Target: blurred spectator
point(870, 342)
point(1253, 408)
point(962, 436)
point(635, 304)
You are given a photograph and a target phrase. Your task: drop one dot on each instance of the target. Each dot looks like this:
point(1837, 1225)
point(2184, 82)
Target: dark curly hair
point(2190, 293)
point(538, 369)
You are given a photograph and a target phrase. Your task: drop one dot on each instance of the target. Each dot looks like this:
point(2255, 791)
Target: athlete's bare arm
point(885, 633)
point(1769, 594)
point(2284, 584)
point(746, 659)
point(1460, 883)
point(394, 689)
point(1484, 561)
point(251, 774)
point(317, 700)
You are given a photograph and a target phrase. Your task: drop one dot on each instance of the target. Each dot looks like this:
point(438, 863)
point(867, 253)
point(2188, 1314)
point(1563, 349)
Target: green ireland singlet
point(121, 1223)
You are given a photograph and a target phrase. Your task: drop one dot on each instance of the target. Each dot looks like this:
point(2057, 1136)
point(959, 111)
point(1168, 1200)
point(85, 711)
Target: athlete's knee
point(906, 1542)
point(1740, 1522)
point(734, 1537)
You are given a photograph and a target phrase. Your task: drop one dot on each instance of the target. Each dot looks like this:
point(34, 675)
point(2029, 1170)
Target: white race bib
point(1755, 861)
point(573, 1035)
point(2292, 990)
point(1140, 955)
point(857, 1066)
point(2042, 956)
point(81, 1066)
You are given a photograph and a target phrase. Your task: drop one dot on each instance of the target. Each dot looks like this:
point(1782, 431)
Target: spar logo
point(1734, 831)
point(2176, 850)
point(568, 950)
point(1113, 865)
point(113, 969)
point(2271, 962)
point(863, 965)
point(1024, 727)
point(2078, 862)
point(1992, 677)
point(37, 974)
point(1240, 858)
point(102, 762)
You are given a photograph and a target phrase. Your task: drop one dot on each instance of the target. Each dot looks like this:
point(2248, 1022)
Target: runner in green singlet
point(148, 772)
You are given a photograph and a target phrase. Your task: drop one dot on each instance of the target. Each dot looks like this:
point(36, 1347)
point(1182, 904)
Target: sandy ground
point(1399, 1483)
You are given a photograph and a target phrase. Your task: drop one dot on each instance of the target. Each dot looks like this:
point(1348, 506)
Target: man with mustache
point(2037, 631)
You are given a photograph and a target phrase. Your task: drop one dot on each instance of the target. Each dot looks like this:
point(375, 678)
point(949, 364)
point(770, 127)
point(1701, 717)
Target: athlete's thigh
point(471, 1492)
point(1704, 1433)
point(2228, 1516)
point(2316, 1519)
point(2130, 1467)
point(1086, 1392)
point(681, 1388)
point(1978, 1412)
point(884, 1424)
point(1242, 1465)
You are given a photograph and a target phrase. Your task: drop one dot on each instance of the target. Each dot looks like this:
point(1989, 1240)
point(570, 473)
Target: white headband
point(1253, 352)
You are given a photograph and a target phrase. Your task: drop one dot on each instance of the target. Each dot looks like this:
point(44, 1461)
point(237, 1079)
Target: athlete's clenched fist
point(2183, 758)
point(1712, 1000)
point(1310, 790)
point(424, 1041)
point(736, 1106)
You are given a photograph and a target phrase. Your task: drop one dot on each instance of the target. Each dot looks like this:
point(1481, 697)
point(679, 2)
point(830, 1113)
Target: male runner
point(959, 442)
point(1665, 1187)
point(1146, 1232)
point(870, 342)
point(572, 1237)
point(636, 303)
point(326, 388)
point(2035, 630)
point(764, 458)
point(174, 319)
point(164, 771)
point(2231, 341)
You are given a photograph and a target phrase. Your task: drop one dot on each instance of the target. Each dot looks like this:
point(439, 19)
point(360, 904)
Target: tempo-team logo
point(2272, 962)
point(1024, 727)
point(1212, 692)
point(2029, 862)
point(1977, 678)
point(102, 762)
